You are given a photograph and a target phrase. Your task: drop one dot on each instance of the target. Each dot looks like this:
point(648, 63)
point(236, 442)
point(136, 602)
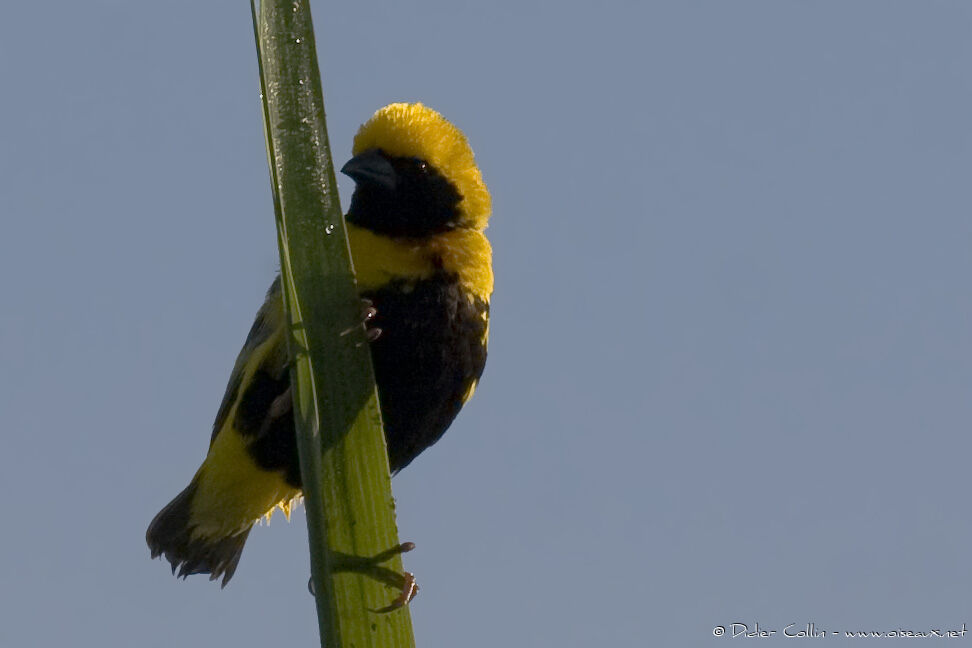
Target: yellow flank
point(233, 492)
point(468, 254)
point(414, 130)
point(379, 259)
point(469, 392)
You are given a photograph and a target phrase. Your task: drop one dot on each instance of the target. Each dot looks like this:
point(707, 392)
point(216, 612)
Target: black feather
point(169, 534)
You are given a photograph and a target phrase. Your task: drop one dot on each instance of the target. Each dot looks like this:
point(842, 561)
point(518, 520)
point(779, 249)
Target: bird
point(415, 228)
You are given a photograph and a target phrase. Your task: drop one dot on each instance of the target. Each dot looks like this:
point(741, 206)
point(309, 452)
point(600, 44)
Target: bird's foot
point(368, 314)
point(371, 566)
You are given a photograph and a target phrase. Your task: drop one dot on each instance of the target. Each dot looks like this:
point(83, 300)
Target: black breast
point(431, 349)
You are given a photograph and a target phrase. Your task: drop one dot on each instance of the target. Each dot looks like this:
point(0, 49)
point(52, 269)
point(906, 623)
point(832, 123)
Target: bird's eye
point(424, 166)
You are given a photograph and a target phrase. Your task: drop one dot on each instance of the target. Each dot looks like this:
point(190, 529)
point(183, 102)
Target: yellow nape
point(414, 130)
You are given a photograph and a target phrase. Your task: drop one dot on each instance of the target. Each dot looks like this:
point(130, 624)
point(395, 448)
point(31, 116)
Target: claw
point(371, 566)
point(409, 590)
point(409, 586)
point(368, 313)
point(368, 310)
point(388, 554)
point(372, 334)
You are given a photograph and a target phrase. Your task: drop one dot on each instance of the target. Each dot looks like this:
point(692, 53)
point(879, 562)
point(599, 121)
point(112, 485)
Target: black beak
point(371, 167)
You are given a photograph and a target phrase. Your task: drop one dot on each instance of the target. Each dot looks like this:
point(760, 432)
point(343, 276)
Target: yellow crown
point(414, 130)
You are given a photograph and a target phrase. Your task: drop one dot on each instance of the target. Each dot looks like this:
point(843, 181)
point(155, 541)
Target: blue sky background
point(731, 355)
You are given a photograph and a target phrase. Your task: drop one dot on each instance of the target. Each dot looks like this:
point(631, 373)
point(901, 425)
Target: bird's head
point(415, 175)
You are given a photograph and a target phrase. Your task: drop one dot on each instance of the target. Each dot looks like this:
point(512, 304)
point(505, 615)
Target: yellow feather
point(233, 490)
point(379, 259)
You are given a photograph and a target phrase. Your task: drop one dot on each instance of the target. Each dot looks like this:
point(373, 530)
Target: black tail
point(170, 534)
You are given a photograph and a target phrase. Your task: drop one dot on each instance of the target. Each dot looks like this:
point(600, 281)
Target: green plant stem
point(343, 460)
